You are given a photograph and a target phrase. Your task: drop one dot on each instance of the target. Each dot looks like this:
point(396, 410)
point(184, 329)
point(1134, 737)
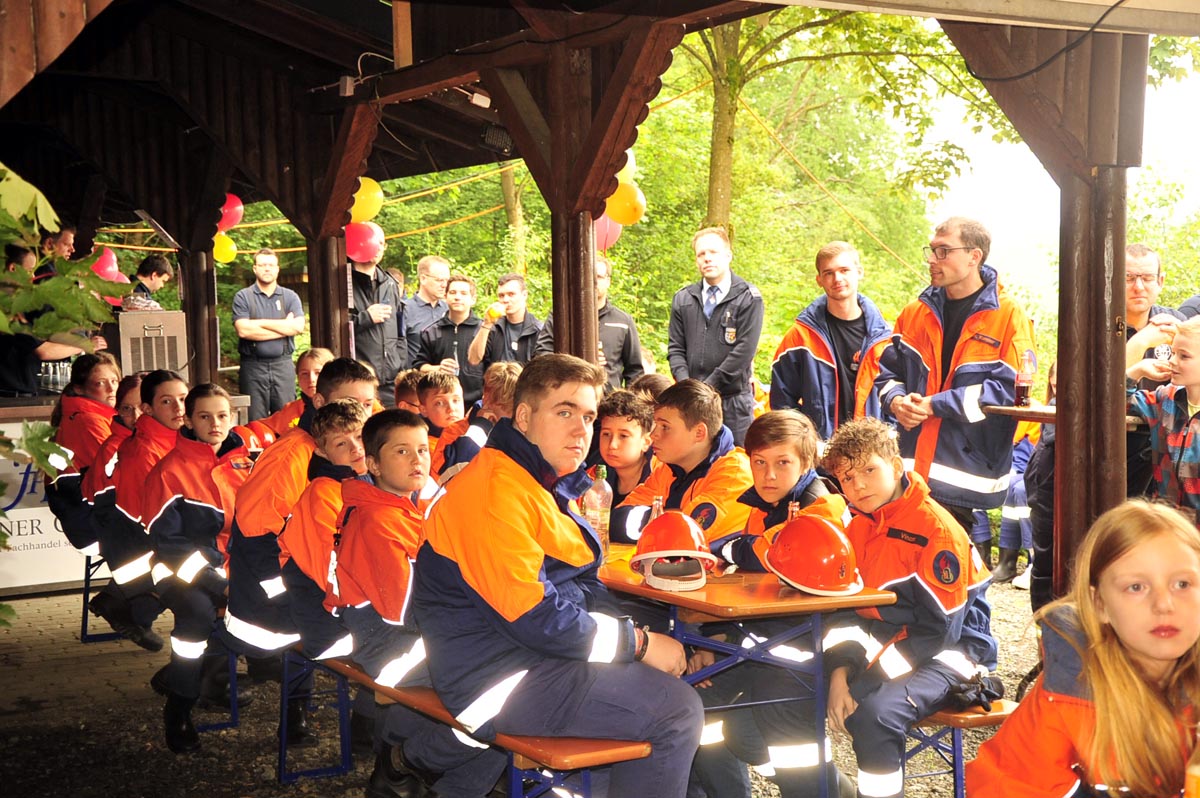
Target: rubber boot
point(181, 735)
point(299, 733)
point(984, 547)
point(214, 686)
point(1006, 568)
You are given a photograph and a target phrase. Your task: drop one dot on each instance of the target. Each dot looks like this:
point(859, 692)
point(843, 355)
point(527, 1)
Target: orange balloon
point(627, 204)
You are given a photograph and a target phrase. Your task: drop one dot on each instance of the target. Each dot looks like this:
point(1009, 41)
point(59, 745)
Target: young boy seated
point(900, 663)
point(463, 439)
point(441, 398)
point(306, 543)
point(258, 614)
point(702, 473)
point(407, 396)
point(782, 447)
point(189, 507)
point(626, 420)
point(379, 530)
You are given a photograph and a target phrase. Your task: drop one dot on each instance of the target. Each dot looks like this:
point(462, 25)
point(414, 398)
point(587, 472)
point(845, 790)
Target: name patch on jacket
point(704, 514)
point(946, 567)
point(908, 537)
point(986, 339)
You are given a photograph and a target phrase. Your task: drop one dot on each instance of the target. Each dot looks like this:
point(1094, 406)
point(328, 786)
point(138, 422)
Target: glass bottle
point(657, 508)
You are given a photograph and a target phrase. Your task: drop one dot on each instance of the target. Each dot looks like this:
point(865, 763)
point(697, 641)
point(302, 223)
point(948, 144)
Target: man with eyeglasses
point(1149, 330)
point(428, 304)
point(954, 349)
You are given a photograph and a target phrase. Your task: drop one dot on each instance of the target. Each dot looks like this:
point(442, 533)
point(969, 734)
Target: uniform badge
point(704, 514)
point(730, 334)
point(946, 567)
point(1163, 352)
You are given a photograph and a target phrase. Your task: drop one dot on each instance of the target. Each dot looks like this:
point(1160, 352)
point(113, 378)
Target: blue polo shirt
point(252, 303)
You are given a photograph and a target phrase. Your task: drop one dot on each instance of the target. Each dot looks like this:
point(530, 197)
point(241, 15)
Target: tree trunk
point(516, 218)
point(727, 87)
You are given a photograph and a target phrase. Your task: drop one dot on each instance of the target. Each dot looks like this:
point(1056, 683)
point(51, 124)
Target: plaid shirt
point(1174, 443)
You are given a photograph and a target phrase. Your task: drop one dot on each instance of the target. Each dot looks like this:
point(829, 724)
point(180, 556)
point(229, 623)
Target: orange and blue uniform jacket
point(189, 509)
point(306, 554)
point(748, 549)
point(258, 612)
point(914, 548)
point(1041, 750)
point(1174, 443)
point(963, 455)
point(377, 540)
point(460, 441)
point(804, 376)
point(85, 426)
point(98, 486)
point(507, 578)
point(123, 539)
point(708, 493)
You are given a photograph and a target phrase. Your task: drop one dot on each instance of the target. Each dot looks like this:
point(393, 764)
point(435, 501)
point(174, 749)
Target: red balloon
point(231, 213)
point(364, 242)
point(607, 232)
point(106, 267)
point(115, 301)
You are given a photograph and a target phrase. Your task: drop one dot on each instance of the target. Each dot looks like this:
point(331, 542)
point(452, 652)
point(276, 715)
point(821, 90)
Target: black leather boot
point(1006, 568)
point(299, 733)
point(214, 686)
point(181, 735)
point(393, 777)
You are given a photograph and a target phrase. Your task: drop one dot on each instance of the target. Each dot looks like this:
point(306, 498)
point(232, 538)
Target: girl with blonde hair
point(1115, 705)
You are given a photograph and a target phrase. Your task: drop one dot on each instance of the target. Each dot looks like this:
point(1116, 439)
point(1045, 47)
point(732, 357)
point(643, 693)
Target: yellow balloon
point(626, 173)
point(627, 204)
point(224, 250)
point(368, 201)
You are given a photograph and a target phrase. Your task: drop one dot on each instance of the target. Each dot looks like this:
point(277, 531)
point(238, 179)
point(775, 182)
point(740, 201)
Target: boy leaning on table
point(933, 648)
point(521, 636)
point(782, 449)
point(701, 471)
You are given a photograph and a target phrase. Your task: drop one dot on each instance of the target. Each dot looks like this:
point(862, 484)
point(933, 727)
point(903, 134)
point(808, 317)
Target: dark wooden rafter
point(521, 114)
point(33, 33)
point(347, 163)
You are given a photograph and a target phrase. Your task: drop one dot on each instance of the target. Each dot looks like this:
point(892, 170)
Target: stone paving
point(46, 669)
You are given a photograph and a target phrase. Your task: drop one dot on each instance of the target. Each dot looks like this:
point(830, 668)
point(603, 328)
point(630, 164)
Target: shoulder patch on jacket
point(704, 514)
point(946, 567)
point(754, 292)
point(986, 339)
point(908, 537)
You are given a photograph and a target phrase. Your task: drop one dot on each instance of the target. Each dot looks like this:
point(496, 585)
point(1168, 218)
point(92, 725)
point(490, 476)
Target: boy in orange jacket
point(701, 471)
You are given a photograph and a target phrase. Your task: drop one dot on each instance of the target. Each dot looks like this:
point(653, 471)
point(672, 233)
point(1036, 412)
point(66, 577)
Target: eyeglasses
point(940, 253)
point(1144, 279)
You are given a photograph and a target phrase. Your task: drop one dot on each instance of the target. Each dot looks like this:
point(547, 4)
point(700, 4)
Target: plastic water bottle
point(597, 507)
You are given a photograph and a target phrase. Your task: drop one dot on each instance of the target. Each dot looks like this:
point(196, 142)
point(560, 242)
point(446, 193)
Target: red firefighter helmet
point(265, 435)
point(672, 553)
point(811, 554)
point(248, 436)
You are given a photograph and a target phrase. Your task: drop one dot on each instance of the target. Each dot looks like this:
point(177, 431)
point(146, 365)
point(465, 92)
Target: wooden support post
point(199, 303)
point(328, 295)
point(573, 275)
point(1091, 367)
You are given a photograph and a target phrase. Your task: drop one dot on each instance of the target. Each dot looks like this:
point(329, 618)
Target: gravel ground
point(116, 749)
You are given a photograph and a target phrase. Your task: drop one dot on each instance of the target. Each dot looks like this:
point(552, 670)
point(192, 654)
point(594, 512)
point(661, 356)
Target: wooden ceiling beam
point(525, 122)
point(634, 82)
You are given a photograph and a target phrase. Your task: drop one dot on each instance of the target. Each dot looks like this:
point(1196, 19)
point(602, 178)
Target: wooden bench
point(931, 733)
point(545, 762)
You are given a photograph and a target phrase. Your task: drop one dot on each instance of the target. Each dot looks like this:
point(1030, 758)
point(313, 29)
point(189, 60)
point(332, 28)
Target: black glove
point(979, 691)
